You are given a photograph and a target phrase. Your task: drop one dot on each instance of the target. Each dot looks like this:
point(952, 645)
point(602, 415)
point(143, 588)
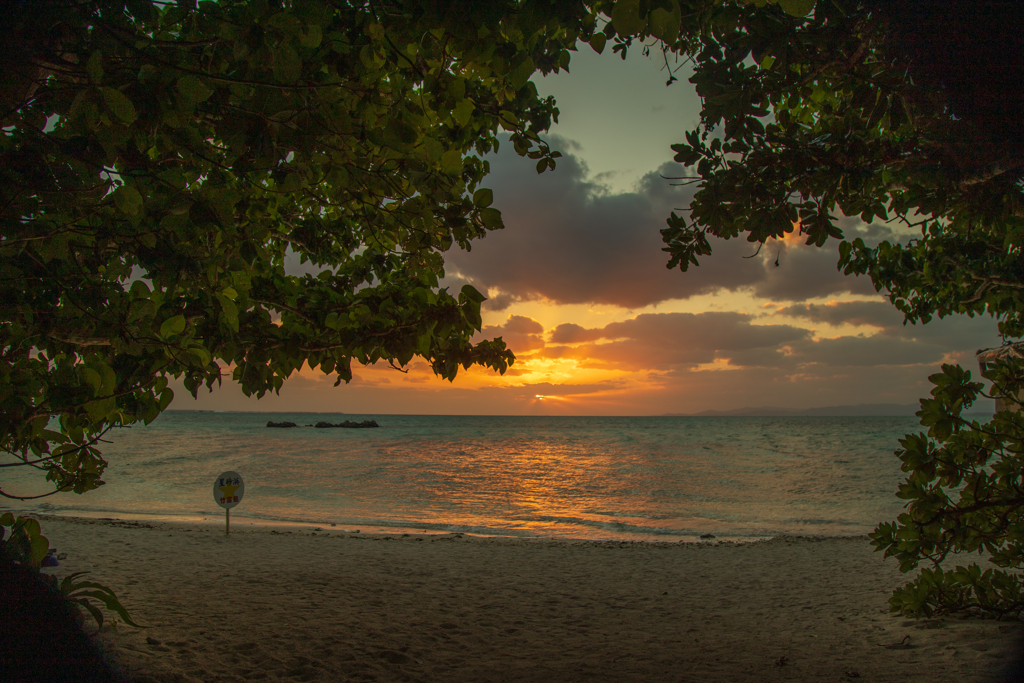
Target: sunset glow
point(577, 287)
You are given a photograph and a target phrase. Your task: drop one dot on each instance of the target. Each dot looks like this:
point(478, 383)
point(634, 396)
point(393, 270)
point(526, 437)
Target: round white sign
point(228, 489)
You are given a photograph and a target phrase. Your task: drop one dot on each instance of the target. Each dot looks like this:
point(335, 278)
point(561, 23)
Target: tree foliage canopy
point(905, 111)
point(867, 109)
point(160, 161)
point(965, 494)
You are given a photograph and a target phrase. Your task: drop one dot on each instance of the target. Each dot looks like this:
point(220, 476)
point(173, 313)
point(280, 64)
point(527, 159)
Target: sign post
point(227, 492)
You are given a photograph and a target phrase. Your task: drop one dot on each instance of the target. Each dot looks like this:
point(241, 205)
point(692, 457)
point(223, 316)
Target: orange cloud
point(665, 340)
point(521, 334)
point(652, 363)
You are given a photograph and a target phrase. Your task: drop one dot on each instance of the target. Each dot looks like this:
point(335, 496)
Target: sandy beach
point(298, 604)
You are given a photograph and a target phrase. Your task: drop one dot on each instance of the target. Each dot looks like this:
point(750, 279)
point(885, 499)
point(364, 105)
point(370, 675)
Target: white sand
point(335, 606)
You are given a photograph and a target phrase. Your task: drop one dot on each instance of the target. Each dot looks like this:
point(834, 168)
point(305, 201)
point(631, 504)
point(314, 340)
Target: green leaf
point(451, 162)
point(94, 67)
point(399, 134)
point(797, 8)
point(40, 545)
point(202, 354)
point(92, 378)
point(491, 219)
point(30, 526)
point(626, 18)
point(286, 22)
point(230, 311)
point(172, 326)
point(100, 410)
point(119, 104)
point(431, 150)
point(128, 200)
point(471, 293)
point(313, 36)
point(111, 602)
point(193, 90)
point(463, 111)
point(371, 58)
point(664, 23)
point(597, 41)
point(109, 377)
point(287, 64)
point(522, 73)
point(94, 611)
point(508, 120)
point(166, 396)
point(483, 198)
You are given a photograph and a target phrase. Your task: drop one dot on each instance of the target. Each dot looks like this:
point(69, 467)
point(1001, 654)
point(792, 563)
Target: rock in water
point(281, 425)
point(347, 424)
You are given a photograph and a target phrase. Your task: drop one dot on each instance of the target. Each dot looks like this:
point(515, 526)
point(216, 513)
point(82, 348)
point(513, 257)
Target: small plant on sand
point(22, 542)
point(82, 593)
point(965, 493)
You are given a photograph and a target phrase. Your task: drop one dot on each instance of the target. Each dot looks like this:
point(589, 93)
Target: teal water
point(653, 478)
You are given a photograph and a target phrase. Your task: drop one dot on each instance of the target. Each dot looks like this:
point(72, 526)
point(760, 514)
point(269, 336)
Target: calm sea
point(635, 478)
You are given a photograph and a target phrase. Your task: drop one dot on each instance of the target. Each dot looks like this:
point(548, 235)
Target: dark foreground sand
point(299, 605)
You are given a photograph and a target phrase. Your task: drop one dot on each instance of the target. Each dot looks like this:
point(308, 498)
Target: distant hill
point(983, 408)
point(862, 410)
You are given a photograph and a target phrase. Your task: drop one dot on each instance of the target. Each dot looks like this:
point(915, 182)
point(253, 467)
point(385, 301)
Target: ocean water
point(625, 478)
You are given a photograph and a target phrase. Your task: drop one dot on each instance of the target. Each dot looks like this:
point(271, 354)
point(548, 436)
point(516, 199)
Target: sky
point(578, 288)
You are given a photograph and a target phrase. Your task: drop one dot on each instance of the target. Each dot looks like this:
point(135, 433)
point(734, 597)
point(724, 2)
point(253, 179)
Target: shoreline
point(245, 525)
point(241, 522)
point(305, 605)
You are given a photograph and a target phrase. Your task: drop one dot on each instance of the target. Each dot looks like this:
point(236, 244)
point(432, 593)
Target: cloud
point(548, 389)
point(951, 334)
point(880, 314)
point(714, 330)
point(570, 241)
point(796, 271)
point(664, 341)
point(519, 333)
point(570, 333)
point(659, 341)
point(876, 351)
point(805, 272)
point(500, 302)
